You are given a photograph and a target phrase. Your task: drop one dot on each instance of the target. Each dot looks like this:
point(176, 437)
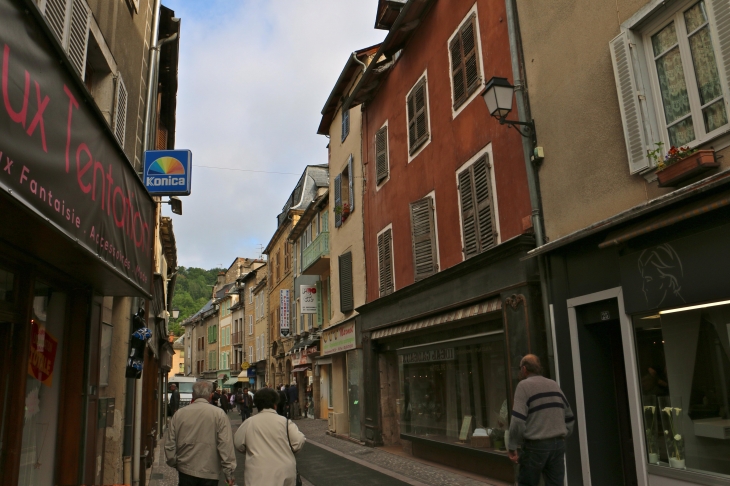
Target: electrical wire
point(246, 170)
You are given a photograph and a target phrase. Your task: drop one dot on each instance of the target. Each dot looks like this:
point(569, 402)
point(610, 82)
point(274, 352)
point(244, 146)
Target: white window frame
point(637, 30)
point(495, 200)
point(425, 144)
point(387, 151)
point(477, 92)
point(392, 256)
point(656, 25)
point(250, 295)
point(250, 324)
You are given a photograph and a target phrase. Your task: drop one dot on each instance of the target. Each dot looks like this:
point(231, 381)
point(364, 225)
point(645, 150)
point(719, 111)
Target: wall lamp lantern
point(175, 313)
point(498, 95)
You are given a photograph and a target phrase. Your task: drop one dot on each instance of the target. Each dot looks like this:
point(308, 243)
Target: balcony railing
point(237, 338)
point(320, 247)
point(235, 368)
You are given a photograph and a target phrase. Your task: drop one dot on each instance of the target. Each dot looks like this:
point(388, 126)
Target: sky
point(253, 78)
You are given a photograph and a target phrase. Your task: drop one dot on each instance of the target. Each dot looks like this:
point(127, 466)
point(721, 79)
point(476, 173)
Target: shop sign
point(43, 347)
point(439, 354)
point(308, 299)
point(59, 159)
point(341, 338)
point(677, 272)
point(168, 172)
point(284, 311)
point(251, 372)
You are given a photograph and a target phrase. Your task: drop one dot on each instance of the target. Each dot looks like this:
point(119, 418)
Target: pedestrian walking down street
point(215, 398)
point(246, 404)
point(174, 399)
point(269, 442)
point(199, 443)
point(283, 406)
point(232, 401)
point(293, 394)
point(541, 421)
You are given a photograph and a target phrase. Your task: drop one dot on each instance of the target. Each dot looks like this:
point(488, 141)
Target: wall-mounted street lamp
point(498, 95)
point(175, 313)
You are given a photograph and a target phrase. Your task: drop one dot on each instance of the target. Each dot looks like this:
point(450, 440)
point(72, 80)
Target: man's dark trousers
point(187, 480)
point(245, 413)
point(545, 457)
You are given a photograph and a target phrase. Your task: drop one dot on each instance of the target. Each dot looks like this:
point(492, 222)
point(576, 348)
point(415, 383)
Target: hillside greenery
point(193, 289)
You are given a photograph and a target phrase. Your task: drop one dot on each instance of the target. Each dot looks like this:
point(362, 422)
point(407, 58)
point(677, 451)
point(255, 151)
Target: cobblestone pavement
point(396, 466)
point(315, 431)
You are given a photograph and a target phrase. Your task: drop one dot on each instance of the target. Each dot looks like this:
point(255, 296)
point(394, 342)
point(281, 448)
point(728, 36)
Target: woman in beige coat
point(270, 459)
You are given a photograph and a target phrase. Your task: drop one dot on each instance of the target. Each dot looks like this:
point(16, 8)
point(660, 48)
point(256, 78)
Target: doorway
point(607, 415)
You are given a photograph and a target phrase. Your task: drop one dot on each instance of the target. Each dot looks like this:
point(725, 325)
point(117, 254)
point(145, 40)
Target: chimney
point(221, 279)
point(240, 268)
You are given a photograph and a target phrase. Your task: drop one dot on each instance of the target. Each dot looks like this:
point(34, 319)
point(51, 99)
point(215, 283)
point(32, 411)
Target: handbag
point(299, 478)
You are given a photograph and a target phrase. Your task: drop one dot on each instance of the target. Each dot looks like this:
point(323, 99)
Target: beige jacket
point(269, 460)
point(199, 441)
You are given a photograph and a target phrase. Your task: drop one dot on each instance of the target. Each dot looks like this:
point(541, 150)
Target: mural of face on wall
point(661, 274)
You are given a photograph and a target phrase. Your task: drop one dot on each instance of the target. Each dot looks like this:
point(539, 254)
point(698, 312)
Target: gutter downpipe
point(151, 75)
point(523, 112)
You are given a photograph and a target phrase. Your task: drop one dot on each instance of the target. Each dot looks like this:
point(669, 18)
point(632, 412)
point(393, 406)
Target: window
point(385, 262)
point(345, 124)
point(250, 353)
point(120, 111)
point(344, 194)
point(417, 107)
point(423, 234)
point(670, 75)
point(346, 296)
point(250, 325)
point(69, 21)
point(684, 370)
point(287, 251)
point(381, 154)
point(464, 51)
point(250, 296)
point(478, 227)
point(212, 334)
point(294, 258)
point(277, 261)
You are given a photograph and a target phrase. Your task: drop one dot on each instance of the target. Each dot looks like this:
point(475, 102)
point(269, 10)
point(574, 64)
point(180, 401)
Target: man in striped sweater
point(541, 420)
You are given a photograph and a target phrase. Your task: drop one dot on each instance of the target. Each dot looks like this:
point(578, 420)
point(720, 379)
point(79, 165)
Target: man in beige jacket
point(199, 442)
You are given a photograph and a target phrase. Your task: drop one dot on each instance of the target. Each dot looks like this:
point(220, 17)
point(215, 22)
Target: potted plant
point(345, 211)
point(680, 164)
point(672, 423)
point(652, 447)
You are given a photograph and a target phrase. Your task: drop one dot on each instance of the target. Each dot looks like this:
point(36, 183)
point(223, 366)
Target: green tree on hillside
point(193, 289)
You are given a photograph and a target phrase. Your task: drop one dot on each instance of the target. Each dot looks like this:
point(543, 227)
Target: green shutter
point(320, 317)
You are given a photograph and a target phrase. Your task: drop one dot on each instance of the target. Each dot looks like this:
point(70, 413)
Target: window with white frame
point(386, 278)
point(671, 78)
point(417, 111)
point(250, 325)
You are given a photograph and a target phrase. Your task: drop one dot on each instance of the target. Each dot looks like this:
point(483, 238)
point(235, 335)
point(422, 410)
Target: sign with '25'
point(168, 172)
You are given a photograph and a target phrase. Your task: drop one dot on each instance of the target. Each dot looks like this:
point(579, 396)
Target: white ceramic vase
point(653, 458)
point(676, 463)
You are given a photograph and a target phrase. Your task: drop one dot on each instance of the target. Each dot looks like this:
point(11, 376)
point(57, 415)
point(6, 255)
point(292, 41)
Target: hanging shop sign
point(439, 354)
point(59, 159)
point(341, 338)
point(43, 347)
point(284, 311)
point(308, 299)
point(168, 172)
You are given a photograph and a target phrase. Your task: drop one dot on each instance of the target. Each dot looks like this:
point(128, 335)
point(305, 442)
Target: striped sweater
point(540, 411)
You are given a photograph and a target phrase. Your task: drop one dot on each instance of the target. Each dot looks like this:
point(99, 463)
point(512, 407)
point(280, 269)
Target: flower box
point(691, 166)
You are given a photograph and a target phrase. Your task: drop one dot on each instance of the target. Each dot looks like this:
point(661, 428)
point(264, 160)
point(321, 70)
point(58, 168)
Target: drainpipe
point(523, 112)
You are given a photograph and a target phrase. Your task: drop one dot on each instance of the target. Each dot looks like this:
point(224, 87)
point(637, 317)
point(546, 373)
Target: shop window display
point(455, 392)
point(685, 379)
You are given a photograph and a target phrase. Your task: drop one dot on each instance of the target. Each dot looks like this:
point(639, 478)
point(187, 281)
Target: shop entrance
point(605, 394)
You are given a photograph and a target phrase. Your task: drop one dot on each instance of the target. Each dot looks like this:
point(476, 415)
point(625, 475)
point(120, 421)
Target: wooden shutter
point(381, 154)
point(417, 116)
point(345, 124)
point(346, 294)
point(423, 238)
point(630, 103)
point(351, 183)
point(161, 141)
point(721, 14)
point(457, 71)
point(465, 73)
point(120, 111)
point(55, 13)
point(385, 262)
point(483, 193)
point(320, 315)
point(468, 219)
point(338, 200)
point(78, 35)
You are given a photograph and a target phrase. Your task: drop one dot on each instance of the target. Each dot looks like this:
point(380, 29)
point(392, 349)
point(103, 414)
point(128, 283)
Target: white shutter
point(721, 14)
point(55, 13)
point(629, 103)
point(120, 111)
point(78, 35)
point(351, 183)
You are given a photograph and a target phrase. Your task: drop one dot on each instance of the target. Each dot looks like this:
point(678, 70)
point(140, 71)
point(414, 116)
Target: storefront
point(441, 360)
point(340, 343)
point(643, 341)
point(76, 224)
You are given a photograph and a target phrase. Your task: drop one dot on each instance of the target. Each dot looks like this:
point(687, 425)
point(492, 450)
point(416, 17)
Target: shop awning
point(300, 368)
point(483, 307)
point(305, 343)
point(231, 382)
point(243, 376)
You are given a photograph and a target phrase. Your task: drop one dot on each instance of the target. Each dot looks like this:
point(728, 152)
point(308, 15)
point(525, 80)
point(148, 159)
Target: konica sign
point(168, 172)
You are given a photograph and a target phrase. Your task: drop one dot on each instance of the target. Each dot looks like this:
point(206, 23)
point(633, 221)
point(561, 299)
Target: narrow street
point(327, 461)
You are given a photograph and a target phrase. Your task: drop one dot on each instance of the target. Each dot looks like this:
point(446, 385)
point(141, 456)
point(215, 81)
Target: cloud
point(253, 77)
